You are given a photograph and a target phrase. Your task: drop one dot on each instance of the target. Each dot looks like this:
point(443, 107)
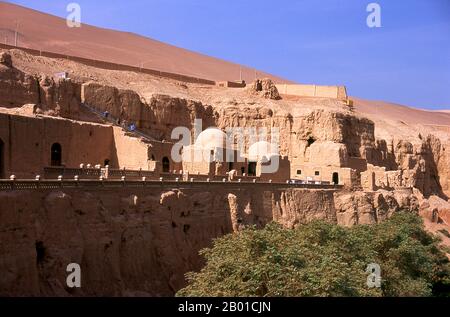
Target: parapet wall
point(336, 92)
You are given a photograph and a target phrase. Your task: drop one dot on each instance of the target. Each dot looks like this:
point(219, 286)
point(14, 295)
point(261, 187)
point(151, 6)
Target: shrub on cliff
point(322, 259)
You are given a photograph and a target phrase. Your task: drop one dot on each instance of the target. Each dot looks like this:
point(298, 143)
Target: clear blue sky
point(406, 61)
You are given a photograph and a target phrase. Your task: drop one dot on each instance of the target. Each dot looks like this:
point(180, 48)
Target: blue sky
point(406, 61)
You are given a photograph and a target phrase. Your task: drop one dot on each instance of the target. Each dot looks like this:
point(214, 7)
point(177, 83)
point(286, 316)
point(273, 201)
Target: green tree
point(323, 259)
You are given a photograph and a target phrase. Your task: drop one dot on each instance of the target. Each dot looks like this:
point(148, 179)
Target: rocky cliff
point(53, 97)
point(140, 242)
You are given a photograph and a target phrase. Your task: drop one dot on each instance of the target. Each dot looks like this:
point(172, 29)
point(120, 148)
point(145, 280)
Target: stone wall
point(28, 141)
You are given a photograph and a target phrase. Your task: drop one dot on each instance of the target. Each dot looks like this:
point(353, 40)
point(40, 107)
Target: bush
point(322, 259)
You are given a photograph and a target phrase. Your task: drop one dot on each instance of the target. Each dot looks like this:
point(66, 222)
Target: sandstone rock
point(354, 208)
point(17, 88)
point(327, 153)
point(265, 88)
point(5, 59)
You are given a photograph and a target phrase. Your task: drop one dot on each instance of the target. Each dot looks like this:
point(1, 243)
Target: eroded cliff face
point(141, 242)
point(17, 88)
point(423, 165)
point(52, 97)
point(157, 116)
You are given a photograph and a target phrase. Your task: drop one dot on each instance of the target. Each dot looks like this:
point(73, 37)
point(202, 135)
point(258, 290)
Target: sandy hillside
point(42, 31)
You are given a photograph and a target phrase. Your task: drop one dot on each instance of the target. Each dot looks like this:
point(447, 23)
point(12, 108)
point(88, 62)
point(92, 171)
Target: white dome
point(211, 138)
point(262, 151)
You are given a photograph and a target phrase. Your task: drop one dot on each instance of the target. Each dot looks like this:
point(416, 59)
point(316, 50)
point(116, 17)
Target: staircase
point(114, 121)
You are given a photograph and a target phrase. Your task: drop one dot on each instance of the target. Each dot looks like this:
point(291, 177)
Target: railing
point(6, 185)
point(94, 173)
point(67, 172)
point(114, 121)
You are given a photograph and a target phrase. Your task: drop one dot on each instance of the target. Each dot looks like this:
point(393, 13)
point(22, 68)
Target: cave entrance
point(252, 169)
point(56, 154)
point(165, 164)
point(2, 160)
point(335, 178)
point(310, 141)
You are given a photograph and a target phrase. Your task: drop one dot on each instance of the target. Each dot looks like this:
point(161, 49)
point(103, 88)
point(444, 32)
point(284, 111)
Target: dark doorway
point(335, 178)
point(252, 169)
point(56, 154)
point(106, 162)
point(165, 165)
point(2, 160)
point(230, 166)
point(311, 140)
point(242, 170)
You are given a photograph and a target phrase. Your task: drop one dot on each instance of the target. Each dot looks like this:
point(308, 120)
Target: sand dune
point(394, 112)
point(42, 31)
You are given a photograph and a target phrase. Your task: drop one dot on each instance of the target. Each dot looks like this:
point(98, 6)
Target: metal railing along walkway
point(6, 185)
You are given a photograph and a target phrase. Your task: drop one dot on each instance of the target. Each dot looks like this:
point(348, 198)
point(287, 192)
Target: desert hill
point(45, 32)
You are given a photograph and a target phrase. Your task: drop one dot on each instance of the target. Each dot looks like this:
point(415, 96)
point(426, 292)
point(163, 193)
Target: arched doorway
point(106, 162)
point(252, 169)
point(56, 154)
point(165, 164)
point(2, 160)
point(335, 178)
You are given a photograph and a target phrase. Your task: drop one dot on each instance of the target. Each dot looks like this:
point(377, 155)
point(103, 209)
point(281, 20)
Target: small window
point(251, 169)
point(299, 172)
point(165, 165)
point(317, 173)
point(55, 155)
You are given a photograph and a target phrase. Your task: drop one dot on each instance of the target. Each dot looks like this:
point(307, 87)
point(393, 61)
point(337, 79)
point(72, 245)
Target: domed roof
point(211, 138)
point(262, 151)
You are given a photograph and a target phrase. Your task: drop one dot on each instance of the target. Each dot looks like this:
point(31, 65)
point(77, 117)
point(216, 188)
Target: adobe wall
point(28, 140)
point(308, 171)
point(282, 173)
point(131, 152)
point(335, 92)
point(230, 84)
